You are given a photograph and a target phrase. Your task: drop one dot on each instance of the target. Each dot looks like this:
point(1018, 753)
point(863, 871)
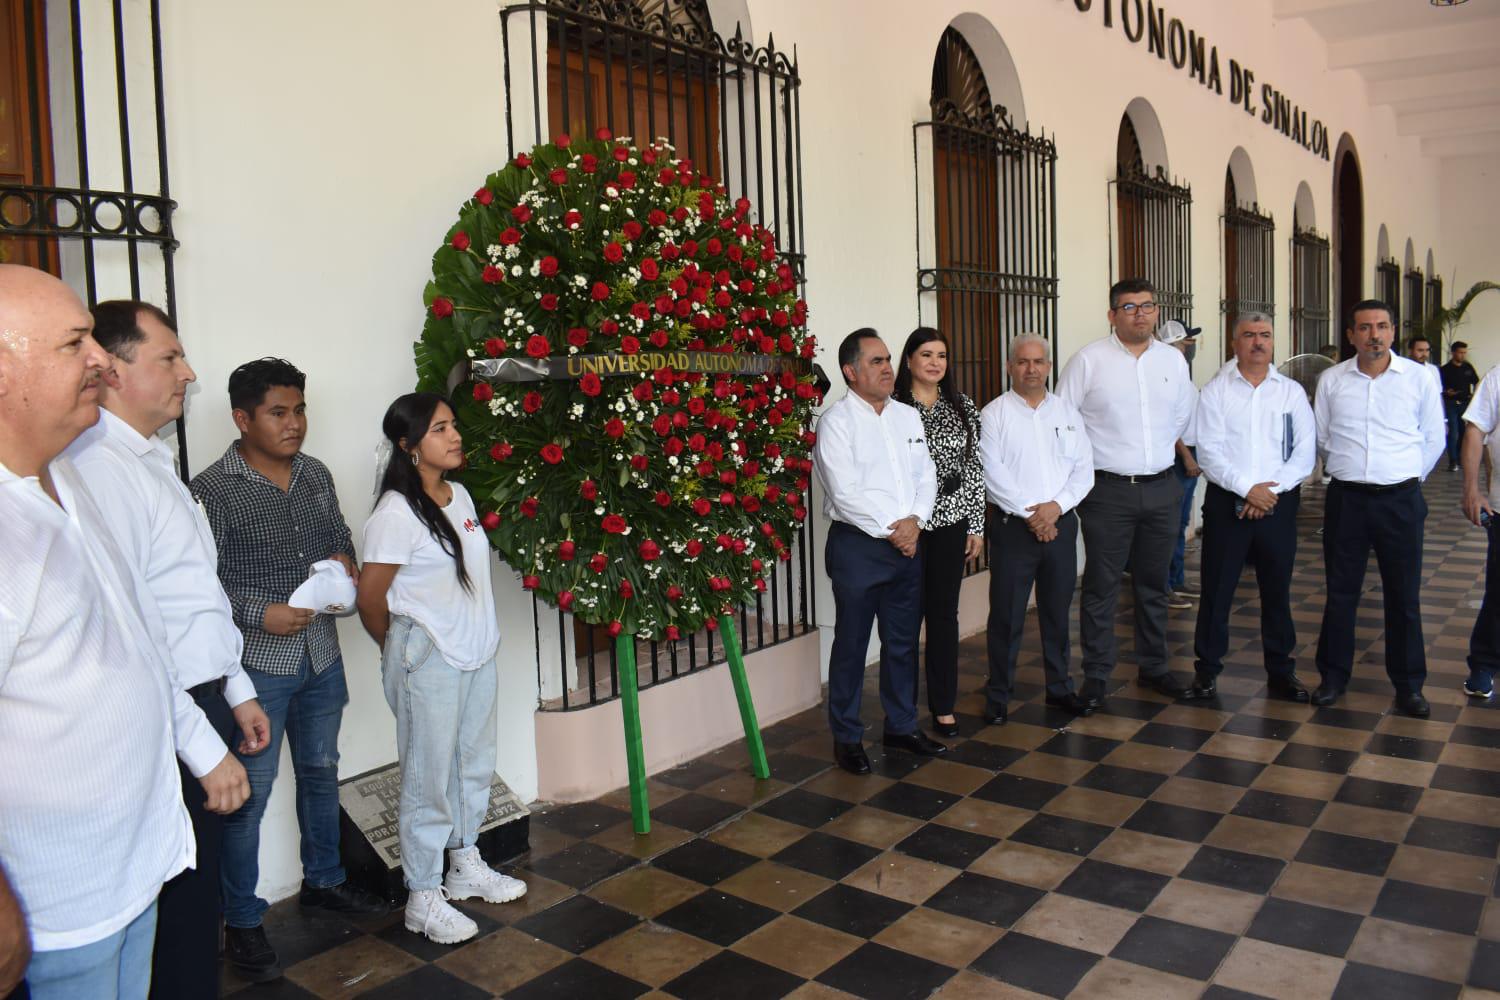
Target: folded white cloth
point(326, 591)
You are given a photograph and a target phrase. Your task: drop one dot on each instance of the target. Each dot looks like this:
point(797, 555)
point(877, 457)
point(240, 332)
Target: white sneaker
point(469, 876)
point(428, 912)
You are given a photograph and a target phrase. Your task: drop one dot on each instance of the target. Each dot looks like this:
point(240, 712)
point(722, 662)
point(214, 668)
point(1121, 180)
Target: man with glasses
point(1136, 398)
point(1380, 431)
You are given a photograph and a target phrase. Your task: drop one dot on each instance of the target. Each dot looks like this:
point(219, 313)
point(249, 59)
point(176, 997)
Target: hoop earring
point(415, 461)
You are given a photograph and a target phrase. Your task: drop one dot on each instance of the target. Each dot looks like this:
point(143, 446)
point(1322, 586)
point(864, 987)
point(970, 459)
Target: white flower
point(516, 271)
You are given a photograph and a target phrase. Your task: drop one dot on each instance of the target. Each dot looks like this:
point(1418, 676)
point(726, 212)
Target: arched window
point(1310, 292)
point(1249, 250)
point(1411, 297)
point(1154, 233)
point(1387, 273)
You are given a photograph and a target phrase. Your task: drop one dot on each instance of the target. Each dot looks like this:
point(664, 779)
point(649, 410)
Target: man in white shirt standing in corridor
point(1380, 431)
point(1136, 398)
point(879, 484)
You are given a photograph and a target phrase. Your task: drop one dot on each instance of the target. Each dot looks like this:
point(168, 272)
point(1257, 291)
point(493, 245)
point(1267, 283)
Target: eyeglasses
point(1129, 308)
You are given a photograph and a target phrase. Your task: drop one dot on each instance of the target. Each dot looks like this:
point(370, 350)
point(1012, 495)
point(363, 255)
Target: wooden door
point(25, 139)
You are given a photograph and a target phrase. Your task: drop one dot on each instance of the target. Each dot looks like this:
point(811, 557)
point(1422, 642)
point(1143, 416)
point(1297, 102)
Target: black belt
point(1149, 477)
point(1376, 487)
point(1216, 488)
point(207, 689)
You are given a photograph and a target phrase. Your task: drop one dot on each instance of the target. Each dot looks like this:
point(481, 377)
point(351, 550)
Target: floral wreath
point(630, 369)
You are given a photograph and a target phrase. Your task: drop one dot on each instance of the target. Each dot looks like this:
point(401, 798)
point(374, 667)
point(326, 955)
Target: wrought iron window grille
point(1249, 266)
point(1311, 292)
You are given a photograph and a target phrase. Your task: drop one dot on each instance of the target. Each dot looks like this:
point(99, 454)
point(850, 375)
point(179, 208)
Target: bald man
point(93, 820)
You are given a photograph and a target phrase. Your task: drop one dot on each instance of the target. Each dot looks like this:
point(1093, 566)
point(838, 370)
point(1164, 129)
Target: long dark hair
point(926, 335)
point(407, 419)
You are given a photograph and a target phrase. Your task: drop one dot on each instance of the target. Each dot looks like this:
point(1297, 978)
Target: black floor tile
point(298, 934)
point(911, 800)
point(990, 756)
point(1261, 727)
point(1172, 737)
point(1234, 869)
point(1476, 736)
point(1034, 964)
point(693, 774)
point(805, 808)
point(732, 976)
point(853, 911)
point(946, 845)
point(1122, 781)
point(796, 767)
point(1079, 746)
point(825, 855)
point(1450, 835)
point(1311, 758)
point(1059, 833)
point(577, 923)
point(1178, 822)
point(278, 989)
point(578, 978)
point(1180, 949)
point(1112, 885)
point(1344, 718)
point(717, 917)
point(1274, 807)
point(1133, 708)
point(704, 861)
point(581, 865)
point(1352, 854)
point(581, 819)
point(430, 981)
point(894, 764)
point(1023, 793)
point(695, 812)
point(1224, 770)
point(1485, 971)
point(1466, 779)
point(875, 972)
point(1369, 982)
point(1041, 715)
point(1225, 993)
point(1378, 794)
point(988, 900)
point(424, 947)
point(1311, 928)
point(1427, 906)
point(1404, 747)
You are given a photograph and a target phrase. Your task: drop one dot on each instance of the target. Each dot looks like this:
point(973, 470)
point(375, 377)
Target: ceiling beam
point(1450, 122)
point(1472, 144)
point(1283, 9)
point(1435, 85)
point(1432, 43)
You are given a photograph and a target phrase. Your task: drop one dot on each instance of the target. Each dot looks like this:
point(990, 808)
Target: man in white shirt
point(1481, 419)
point(1038, 465)
point(152, 514)
point(1380, 431)
point(879, 484)
point(1256, 444)
point(92, 821)
point(1419, 349)
point(1136, 399)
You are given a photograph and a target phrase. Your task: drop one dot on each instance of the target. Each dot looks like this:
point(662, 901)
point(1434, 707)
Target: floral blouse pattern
point(960, 495)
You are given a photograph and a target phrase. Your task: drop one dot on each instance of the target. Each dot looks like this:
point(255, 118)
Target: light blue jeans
point(117, 968)
point(445, 738)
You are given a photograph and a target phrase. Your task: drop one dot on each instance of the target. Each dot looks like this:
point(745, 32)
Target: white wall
point(1469, 251)
point(319, 152)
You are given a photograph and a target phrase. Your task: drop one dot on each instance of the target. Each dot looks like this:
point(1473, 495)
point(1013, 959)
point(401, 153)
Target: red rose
point(494, 347)
point(537, 346)
point(750, 503)
point(613, 524)
point(728, 477)
point(442, 308)
point(521, 213)
point(694, 548)
point(572, 218)
point(631, 229)
point(490, 520)
point(552, 453)
point(578, 336)
point(492, 275)
point(662, 425)
point(548, 266)
point(549, 302)
point(609, 328)
point(626, 590)
point(642, 391)
point(529, 506)
point(614, 428)
point(673, 633)
point(620, 153)
point(663, 498)
point(500, 451)
point(563, 141)
point(614, 630)
point(588, 163)
point(649, 269)
point(673, 447)
point(697, 442)
point(674, 593)
point(627, 179)
point(599, 292)
point(598, 562)
point(530, 581)
point(603, 134)
point(760, 584)
point(484, 196)
point(590, 384)
point(639, 463)
point(772, 492)
point(701, 507)
point(523, 161)
point(484, 392)
point(629, 344)
point(713, 246)
point(614, 252)
point(531, 402)
point(510, 236)
point(460, 241)
point(658, 338)
point(565, 550)
point(726, 498)
point(667, 176)
point(565, 600)
point(588, 489)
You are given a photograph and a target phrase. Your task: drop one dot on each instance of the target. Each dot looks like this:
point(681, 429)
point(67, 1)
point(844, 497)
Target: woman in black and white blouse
point(955, 532)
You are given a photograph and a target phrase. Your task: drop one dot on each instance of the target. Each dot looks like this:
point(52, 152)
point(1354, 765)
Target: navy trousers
point(872, 582)
point(1484, 642)
point(1017, 562)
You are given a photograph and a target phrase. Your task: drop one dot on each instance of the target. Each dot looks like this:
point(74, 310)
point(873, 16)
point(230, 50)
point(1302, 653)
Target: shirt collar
point(235, 464)
point(1151, 345)
point(116, 428)
point(1272, 375)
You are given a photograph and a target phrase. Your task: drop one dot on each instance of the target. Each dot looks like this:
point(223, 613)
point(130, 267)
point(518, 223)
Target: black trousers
point(1017, 562)
point(1270, 544)
point(1390, 522)
point(185, 963)
point(1484, 642)
point(942, 578)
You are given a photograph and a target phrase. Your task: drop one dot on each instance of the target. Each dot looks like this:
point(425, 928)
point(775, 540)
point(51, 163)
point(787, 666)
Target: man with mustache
point(91, 814)
point(1256, 443)
point(879, 484)
point(1380, 431)
point(274, 513)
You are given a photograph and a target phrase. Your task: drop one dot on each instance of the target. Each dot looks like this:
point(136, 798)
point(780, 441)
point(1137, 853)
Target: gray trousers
point(1127, 526)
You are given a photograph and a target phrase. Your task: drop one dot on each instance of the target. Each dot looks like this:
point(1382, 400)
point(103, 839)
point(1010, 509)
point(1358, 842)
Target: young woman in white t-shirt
point(424, 596)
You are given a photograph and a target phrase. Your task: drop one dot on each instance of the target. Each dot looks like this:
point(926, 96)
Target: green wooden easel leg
point(758, 765)
point(635, 755)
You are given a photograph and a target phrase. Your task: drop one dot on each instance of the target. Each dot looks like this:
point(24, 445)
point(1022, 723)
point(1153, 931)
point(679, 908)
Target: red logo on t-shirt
point(470, 524)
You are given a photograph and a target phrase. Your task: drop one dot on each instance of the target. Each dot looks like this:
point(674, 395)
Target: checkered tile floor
point(1244, 848)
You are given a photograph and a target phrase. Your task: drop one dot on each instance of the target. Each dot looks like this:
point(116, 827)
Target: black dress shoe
point(995, 715)
point(343, 898)
point(1165, 684)
point(1070, 702)
point(1414, 704)
point(1204, 687)
point(916, 742)
point(851, 757)
point(1326, 695)
point(1287, 688)
point(252, 956)
point(948, 729)
point(1092, 693)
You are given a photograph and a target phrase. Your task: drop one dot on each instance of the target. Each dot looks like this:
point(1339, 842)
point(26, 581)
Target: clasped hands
point(1043, 520)
point(1260, 501)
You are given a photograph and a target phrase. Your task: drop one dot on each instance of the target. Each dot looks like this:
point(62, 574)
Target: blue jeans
point(307, 708)
point(445, 739)
point(1177, 572)
point(117, 968)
